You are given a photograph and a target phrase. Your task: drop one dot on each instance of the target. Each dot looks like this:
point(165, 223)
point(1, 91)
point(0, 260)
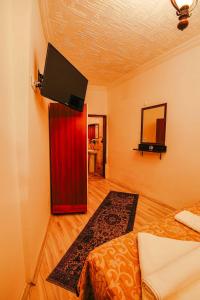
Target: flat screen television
point(61, 81)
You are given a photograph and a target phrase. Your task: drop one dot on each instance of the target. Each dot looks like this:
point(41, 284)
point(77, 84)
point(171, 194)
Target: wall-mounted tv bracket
point(38, 83)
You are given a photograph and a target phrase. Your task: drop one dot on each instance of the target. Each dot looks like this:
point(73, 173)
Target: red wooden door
point(68, 154)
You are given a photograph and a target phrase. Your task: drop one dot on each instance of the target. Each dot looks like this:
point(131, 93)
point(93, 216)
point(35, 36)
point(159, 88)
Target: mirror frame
point(142, 118)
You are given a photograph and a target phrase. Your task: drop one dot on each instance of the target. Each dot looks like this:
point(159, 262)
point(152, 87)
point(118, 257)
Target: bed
point(112, 270)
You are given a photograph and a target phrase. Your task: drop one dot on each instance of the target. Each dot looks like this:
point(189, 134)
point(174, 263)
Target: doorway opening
point(96, 145)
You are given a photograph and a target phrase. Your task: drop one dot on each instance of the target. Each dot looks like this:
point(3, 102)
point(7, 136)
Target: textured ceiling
point(105, 39)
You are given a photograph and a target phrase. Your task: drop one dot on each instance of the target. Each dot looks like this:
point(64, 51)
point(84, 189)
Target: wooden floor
point(63, 230)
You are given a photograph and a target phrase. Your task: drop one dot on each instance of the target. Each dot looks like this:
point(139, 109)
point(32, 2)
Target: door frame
point(104, 139)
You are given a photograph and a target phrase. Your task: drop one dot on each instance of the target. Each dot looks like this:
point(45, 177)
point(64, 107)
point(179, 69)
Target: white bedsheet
point(189, 219)
point(170, 268)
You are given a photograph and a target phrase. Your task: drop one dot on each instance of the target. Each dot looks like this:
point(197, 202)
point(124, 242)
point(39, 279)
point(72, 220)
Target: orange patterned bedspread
point(112, 270)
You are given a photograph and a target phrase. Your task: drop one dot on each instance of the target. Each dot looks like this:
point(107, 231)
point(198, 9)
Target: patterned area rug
point(114, 217)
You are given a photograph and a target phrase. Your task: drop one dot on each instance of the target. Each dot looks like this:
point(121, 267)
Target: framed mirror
point(93, 131)
point(153, 124)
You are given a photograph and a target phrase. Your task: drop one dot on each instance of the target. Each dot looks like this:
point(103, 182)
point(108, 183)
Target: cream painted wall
point(174, 179)
point(12, 273)
point(36, 207)
point(96, 98)
point(24, 169)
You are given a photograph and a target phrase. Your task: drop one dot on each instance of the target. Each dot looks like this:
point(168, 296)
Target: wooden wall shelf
point(141, 151)
point(153, 148)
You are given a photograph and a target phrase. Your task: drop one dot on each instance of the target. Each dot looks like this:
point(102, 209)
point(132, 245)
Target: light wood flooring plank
point(63, 230)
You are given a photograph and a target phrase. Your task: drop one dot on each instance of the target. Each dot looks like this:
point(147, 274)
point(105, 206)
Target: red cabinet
point(68, 159)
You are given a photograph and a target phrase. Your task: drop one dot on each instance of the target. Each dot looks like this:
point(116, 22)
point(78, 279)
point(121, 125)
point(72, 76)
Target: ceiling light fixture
point(184, 10)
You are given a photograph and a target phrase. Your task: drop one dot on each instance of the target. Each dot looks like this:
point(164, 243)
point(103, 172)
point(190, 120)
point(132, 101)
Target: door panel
point(68, 152)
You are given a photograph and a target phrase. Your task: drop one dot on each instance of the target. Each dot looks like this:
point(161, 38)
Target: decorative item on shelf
point(184, 10)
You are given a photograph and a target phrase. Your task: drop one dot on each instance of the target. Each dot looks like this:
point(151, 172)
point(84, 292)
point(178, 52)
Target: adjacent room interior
point(100, 150)
point(97, 127)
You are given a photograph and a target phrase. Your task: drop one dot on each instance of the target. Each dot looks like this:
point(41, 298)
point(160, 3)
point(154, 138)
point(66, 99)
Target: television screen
point(62, 82)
